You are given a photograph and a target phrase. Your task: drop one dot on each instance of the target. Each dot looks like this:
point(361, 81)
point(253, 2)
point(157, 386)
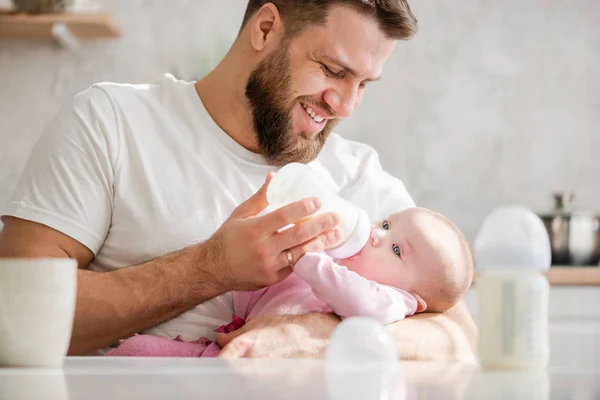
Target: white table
point(153, 378)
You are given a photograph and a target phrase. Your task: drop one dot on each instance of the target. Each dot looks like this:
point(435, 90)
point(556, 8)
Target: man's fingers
point(291, 213)
point(321, 228)
point(223, 339)
point(237, 344)
point(316, 245)
point(235, 349)
point(285, 272)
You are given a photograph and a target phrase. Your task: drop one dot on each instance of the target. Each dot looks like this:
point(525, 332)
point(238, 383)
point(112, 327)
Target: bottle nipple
point(356, 240)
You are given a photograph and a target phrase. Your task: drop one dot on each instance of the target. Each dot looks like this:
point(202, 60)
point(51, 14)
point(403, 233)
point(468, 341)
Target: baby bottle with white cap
point(297, 181)
point(512, 250)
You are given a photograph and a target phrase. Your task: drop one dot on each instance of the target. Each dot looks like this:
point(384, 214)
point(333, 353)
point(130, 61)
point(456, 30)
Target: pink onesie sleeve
point(351, 295)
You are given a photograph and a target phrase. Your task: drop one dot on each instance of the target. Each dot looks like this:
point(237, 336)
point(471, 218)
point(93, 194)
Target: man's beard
point(269, 94)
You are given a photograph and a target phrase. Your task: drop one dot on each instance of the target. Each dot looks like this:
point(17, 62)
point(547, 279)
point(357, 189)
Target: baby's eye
point(396, 250)
point(385, 225)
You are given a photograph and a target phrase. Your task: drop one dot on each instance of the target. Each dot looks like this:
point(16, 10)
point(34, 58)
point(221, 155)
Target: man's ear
point(421, 304)
point(266, 28)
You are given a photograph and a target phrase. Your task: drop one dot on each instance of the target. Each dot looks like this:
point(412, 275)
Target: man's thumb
point(256, 203)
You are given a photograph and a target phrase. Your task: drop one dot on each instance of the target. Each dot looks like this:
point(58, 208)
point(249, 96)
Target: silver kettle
point(574, 235)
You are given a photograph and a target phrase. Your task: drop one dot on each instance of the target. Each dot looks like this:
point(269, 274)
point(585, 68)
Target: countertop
point(94, 378)
point(570, 276)
point(574, 276)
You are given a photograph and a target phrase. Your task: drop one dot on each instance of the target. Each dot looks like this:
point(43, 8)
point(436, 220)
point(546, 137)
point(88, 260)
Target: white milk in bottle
point(297, 181)
point(512, 250)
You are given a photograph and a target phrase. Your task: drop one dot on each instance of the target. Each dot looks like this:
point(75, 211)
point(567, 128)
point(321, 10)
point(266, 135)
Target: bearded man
point(158, 190)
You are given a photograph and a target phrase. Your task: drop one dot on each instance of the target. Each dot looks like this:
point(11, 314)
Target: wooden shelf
point(570, 276)
point(81, 25)
point(574, 276)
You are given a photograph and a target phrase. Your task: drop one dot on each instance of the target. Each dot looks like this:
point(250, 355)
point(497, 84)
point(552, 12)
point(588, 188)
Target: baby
point(416, 255)
point(415, 260)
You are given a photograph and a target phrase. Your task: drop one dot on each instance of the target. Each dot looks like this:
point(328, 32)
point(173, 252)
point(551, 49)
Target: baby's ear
point(421, 304)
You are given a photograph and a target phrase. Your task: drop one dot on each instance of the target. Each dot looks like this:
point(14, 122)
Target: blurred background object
point(491, 103)
point(42, 6)
point(574, 234)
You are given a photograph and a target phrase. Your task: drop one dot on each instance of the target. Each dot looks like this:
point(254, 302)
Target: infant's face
point(401, 250)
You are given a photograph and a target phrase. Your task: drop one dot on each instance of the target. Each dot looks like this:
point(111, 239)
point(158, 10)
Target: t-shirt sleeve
point(352, 295)
point(67, 183)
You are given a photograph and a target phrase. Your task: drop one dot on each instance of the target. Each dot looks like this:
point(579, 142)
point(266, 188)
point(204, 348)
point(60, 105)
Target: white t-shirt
point(137, 171)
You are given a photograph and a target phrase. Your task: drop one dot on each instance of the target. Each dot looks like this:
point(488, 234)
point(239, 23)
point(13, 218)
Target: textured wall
point(493, 102)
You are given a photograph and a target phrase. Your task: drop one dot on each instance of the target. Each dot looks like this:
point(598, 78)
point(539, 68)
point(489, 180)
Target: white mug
point(37, 307)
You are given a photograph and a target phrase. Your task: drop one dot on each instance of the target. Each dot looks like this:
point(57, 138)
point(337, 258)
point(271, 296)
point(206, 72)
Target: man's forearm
point(115, 305)
point(446, 337)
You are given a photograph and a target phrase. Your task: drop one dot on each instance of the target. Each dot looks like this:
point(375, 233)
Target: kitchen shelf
point(570, 276)
point(80, 25)
point(574, 276)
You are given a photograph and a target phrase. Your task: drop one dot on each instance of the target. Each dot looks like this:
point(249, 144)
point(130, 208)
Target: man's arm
point(447, 337)
point(115, 305)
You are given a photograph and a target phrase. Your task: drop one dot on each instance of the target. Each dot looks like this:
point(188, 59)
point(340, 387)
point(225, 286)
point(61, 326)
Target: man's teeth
point(317, 118)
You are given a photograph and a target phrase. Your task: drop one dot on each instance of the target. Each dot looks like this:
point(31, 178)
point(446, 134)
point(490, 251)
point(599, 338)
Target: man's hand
point(446, 337)
point(290, 336)
point(248, 252)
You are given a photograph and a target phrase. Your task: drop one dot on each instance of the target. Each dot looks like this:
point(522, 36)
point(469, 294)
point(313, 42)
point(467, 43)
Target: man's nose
point(377, 236)
point(343, 100)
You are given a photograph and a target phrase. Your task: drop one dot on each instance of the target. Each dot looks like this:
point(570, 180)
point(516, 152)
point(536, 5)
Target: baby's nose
point(377, 236)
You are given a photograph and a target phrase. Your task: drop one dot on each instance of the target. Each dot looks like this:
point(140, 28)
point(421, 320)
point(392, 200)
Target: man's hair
point(394, 17)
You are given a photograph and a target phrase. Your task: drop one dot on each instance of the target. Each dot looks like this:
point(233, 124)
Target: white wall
point(492, 102)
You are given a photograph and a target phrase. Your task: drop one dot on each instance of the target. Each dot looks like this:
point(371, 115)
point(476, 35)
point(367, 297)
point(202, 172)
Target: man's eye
point(329, 72)
point(385, 225)
point(396, 250)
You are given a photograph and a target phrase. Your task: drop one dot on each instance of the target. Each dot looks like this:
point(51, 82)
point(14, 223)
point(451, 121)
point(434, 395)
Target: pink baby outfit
point(162, 346)
point(318, 284)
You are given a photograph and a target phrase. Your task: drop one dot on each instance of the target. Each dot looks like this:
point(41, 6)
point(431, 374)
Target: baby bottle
point(511, 252)
point(297, 181)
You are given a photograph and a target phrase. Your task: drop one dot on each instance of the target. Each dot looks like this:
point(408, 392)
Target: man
point(157, 190)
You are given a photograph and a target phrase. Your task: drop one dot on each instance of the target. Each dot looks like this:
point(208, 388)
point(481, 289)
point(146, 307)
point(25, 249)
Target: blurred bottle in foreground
point(512, 251)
